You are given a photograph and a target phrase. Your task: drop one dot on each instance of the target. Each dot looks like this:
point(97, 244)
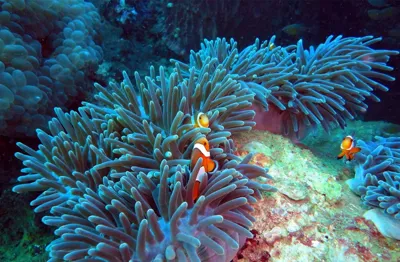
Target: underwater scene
point(199, 130)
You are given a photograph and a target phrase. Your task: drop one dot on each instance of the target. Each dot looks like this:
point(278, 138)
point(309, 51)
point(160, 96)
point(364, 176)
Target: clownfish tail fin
point(356, 150)
point(353, 152)
point(212, 166)
point(341, 155)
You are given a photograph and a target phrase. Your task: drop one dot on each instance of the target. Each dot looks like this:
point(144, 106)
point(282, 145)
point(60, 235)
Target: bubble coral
point(46, 47)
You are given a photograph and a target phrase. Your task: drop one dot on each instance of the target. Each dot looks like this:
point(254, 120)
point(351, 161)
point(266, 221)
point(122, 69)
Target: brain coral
point(326, 85)
point(115, 175)
point(45, 49)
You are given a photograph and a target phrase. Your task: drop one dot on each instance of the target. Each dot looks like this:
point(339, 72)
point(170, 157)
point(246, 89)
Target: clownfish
point(200, 120)
point(348, 148)
point(201, 149)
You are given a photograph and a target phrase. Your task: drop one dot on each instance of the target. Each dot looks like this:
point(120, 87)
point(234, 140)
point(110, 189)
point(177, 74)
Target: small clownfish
point(201, 149)
point(271, 46)
point(348, 148)
point(200, 120)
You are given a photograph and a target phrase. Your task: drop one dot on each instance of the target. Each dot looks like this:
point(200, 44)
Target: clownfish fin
point(355, 150)
point(341, 155)
point(349, 156)
point(210, 165)
point(196, 190)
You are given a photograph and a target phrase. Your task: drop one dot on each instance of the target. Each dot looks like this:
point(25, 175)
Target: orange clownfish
point(348, 148)
point(201, 149)
point(200, 120)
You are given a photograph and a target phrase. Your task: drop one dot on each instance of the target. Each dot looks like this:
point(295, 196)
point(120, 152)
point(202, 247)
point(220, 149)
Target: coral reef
point(313, 216)
point(326, 85)
point(46, 48)
point(115, 175)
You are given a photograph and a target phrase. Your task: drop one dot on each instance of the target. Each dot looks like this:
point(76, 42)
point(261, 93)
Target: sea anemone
point(138, 219)
point(377, 178)
point(115, 175)
point(377, 181)
point(326, 85)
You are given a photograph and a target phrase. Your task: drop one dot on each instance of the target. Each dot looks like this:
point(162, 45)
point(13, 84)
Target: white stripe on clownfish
point(198, 117)
point(202, 149)
point(202, 172)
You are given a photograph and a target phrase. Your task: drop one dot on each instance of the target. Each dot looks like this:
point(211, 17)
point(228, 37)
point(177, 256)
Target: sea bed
point(314, 216)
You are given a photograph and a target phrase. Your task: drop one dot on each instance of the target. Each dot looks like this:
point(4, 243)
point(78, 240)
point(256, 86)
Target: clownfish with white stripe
point(201, 149)
point(348, 148)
